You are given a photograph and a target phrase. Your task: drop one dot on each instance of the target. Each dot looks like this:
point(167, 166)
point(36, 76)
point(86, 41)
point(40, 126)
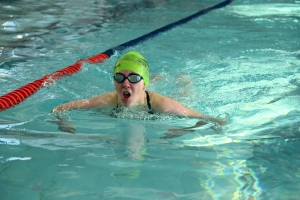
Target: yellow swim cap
point(133, 61)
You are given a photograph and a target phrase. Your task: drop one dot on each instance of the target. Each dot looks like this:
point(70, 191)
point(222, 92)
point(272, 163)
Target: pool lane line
point(17, 96)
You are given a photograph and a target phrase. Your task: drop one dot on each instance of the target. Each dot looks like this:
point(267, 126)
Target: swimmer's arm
point(98, 101)
point(167, 105)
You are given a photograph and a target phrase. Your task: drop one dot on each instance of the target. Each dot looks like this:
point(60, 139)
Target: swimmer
point(131, 78)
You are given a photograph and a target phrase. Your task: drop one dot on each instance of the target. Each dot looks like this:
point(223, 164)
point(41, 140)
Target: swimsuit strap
point(148, 100)
point(117, 102)
point(151, 111)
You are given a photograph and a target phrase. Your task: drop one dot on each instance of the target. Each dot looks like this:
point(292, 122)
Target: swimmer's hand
point(64, 127)
point(67, 128)
point(177, 132)
point(221, 120)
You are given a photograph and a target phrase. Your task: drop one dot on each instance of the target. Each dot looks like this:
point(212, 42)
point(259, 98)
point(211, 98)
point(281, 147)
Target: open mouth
point(126, 95)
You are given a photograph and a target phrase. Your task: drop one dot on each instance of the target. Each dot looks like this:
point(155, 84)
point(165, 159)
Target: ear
point(144, 86)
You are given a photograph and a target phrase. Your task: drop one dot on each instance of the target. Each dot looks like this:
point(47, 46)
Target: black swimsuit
point(151, 110)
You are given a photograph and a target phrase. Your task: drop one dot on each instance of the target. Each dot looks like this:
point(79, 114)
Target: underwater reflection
point(130, 140)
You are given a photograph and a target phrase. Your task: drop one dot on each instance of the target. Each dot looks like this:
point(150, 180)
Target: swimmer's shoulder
point(164, 104)
point(157, 100)
point(153, 94)
point(156, 97)
point(107, 99)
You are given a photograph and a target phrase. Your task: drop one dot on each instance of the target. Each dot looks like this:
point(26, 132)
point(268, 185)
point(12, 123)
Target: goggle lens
point(132, 78)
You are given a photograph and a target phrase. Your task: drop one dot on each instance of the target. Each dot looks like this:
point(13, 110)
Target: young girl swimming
point(131, 78)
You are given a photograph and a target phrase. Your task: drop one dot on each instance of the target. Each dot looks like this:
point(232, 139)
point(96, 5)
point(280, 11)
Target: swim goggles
point(132, 78)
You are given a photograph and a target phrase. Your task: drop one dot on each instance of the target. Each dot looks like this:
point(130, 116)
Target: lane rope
point(17, 96)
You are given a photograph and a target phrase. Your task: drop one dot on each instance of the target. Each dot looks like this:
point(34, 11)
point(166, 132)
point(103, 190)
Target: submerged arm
point(176, 132)
point(98, 101)
point(167, 105)
point(102, 100)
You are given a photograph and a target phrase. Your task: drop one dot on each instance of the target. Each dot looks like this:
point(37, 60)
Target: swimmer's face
point(130, 94)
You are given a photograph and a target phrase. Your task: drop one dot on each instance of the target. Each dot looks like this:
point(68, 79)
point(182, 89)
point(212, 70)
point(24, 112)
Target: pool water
point(242, 59)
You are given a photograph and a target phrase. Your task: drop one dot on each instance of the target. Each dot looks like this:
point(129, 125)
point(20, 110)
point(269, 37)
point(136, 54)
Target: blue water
point(242, 59)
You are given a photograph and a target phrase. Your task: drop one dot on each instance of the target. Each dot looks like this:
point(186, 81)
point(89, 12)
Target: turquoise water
point(242, 59)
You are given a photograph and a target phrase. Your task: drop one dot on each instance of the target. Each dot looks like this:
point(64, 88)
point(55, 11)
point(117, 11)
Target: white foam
point(18, 158)
point(9, 141)
point(262, 10)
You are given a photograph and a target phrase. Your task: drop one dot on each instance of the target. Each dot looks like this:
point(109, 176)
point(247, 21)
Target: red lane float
point(15, 97)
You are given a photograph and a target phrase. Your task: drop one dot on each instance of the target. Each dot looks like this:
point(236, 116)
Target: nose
point(126, 83)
